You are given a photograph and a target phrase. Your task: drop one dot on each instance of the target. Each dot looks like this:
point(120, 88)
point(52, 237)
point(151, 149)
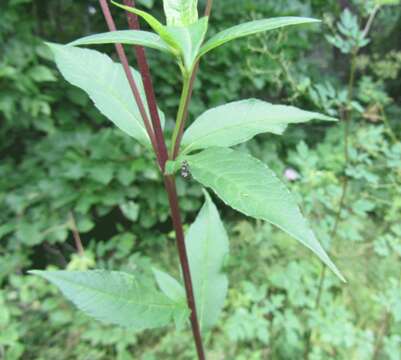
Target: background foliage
point(65, 171)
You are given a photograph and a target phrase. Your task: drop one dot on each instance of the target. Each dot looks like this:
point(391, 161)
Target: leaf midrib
point(214, 132)
point(255, 198)
point(97, 290)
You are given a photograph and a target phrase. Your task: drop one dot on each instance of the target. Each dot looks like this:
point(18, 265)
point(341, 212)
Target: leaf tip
point(54, 47)
point(329, 118)
point(50, 44)
point(335, 270)
point(206, 194)
point(313, 20)
point(40, 273)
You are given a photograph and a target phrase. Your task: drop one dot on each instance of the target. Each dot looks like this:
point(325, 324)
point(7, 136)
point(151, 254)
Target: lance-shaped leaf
point(155, 24)
point(180, 12)
point(116, 298)
point(249, 186)
point(174, 291)
point(170, 286)
point(207, 245)
point(250, 28)
point(239, 121)
point(129, 37)
point(106, 84)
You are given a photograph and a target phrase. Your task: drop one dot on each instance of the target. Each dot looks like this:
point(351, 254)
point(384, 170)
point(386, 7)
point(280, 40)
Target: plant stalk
point(75, 234)
point(169, 182)
point(134, 88)
point(208, 9)
point(181, 115)
point(381, 334)
point(170, 185)
point(179, 129)
point(143, 65)
point(161, 153)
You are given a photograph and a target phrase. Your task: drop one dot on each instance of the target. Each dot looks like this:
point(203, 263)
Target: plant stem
point(208, 9)
point(179, 129)
point(134, 88)
point(181, 114)
point(75, 234)
point(133, 23)
point(161, 153)
point(175, 212)
point(370, 20)
point(380, 335)
point(169, 182)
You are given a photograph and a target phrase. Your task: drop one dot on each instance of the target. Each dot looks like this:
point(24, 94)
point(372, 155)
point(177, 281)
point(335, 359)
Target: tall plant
point(202, 151)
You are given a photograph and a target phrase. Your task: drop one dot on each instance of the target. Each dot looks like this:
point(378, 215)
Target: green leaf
point(249, 186)
point(130, 37)
point(170, 286)
point(251, 27)
point(40, 73)
point(174, 291)
point(387, 2)
point(207, 246)
point(180, 12)
point(155, 24)
point(239, 121)
point(115, 297)
point(190, 39)
point(184, 41)
point(130, 210)
point(171, 167)
point(106, 84)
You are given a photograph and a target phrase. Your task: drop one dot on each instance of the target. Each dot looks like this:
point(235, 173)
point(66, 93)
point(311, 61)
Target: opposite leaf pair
point(184, 39)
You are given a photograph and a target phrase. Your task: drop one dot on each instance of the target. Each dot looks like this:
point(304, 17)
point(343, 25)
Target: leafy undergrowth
point(59, 162)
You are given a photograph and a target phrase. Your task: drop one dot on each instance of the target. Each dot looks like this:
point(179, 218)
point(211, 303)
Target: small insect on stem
point(185, 172)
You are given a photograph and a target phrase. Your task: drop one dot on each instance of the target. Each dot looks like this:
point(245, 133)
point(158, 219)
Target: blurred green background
point(66, 171)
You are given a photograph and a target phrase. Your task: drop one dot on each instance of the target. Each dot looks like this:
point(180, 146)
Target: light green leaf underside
point(180, 12)
point(239, 121)
point(207, 245)
point(107, 86)
point(129, 37)
point(249, 186)
point(190, 39)
point(174, 291)
point(115, 297)
point(170, 286)
point(155, 24)
point(251, 27)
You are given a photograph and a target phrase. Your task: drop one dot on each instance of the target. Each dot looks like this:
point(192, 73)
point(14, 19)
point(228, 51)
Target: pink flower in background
point(291, 175)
